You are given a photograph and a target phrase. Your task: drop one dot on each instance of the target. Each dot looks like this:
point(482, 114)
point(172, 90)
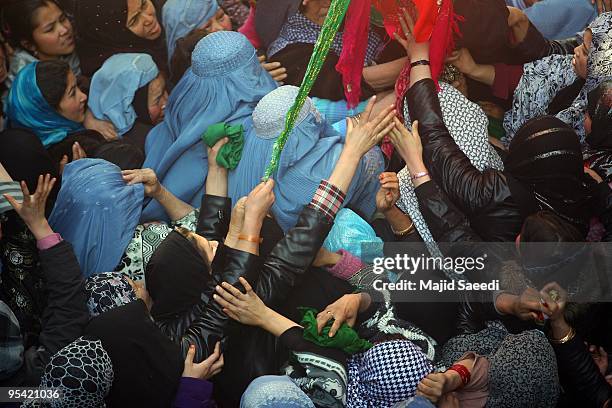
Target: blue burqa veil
point(224, 84)
point(310, 155)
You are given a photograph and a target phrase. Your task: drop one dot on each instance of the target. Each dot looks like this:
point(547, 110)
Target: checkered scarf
point(386, 374)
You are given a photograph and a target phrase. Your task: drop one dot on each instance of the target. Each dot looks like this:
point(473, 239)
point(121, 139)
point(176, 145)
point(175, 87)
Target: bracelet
point(250, 238)
point(463, 372)
point(419, 175)
point(403, 232)
point(419, 62)
point(570, 335)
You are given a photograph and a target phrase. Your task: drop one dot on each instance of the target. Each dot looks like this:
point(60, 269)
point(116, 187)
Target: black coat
point(484, 197)
point(64, 317)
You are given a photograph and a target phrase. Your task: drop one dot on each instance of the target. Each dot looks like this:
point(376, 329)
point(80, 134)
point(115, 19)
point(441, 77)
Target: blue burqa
point(310, 155)
point(97, 212)
point(113, 87)
point(224, 84)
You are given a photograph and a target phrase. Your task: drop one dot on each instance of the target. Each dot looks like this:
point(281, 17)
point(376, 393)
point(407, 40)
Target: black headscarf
point(600, 111)
point(176, 276)
point(102, 32)
point(141, 105)
point(25, 158)
point(545, 171)
point(146, 363)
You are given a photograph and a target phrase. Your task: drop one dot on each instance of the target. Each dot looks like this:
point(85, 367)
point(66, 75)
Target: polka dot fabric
point(82, 371)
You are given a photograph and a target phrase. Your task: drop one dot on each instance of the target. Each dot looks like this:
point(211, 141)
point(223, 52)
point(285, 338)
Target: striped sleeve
point(12, 188)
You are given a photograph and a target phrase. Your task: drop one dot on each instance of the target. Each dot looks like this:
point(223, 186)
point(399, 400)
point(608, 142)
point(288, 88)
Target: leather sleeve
point(66, 314)
point(214, 219)
point(209, 322)
point(446, 223)
point(579, 373)
point(292, 256)
point(468, 188)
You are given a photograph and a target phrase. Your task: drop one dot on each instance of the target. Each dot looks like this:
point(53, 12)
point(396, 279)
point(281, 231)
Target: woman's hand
point(207, 368)
point(602, 5)
point(463, 61)
point(344, 310)
point(436, 385)
point(415, 51)
point(389, 193)
point(554, 300)
point(275, 69)
point(77, 153)
point(366, 132)
point(32, 209)
point(236, 223)
point(259, 201)
point(213, 152)
point(147, 177)
point(326, 258)
point(104, 127)
point(246, 308)
point(527, 306)
point(409, 146)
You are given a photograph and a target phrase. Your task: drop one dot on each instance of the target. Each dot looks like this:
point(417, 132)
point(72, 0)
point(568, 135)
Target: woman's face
point(581, 55)
point(206, 248)
point(72, 106)
point(52, 35)
point(219, 22)
point(157, 98)
point(588, 123)
point(142, 19)
point(316, 10)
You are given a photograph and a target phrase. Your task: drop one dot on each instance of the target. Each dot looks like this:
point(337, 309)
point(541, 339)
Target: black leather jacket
point(580, 376)
point(191, 327)
point(484, 197)
point(252, 352)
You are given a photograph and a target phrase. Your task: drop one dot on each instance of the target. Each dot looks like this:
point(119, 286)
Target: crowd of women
point(144, 262)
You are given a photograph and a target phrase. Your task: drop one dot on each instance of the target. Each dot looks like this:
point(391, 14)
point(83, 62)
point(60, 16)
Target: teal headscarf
point(27, 108)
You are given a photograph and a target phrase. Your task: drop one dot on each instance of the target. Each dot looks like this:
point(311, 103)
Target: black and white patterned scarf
point(106, 291)
point(386, 374)
point(82, 372)
point(544, 78)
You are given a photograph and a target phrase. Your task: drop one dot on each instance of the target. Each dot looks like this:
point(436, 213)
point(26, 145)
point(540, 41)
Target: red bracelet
point(463, 372)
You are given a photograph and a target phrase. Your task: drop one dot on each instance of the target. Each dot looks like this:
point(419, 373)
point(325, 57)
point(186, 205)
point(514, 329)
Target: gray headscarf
point(543, 79)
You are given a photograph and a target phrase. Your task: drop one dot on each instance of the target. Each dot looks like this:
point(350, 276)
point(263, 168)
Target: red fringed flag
point(436, 23)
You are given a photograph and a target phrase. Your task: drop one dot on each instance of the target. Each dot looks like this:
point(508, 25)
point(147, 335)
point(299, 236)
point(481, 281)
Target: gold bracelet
point(404, 232)
point(570, 335)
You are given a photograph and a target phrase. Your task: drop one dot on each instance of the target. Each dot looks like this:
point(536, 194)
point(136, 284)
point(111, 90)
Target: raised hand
point(389, 193)
point(408, 145)
point(366, 132)
point(260, 200)
point(32, 209)
point(77, 153)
